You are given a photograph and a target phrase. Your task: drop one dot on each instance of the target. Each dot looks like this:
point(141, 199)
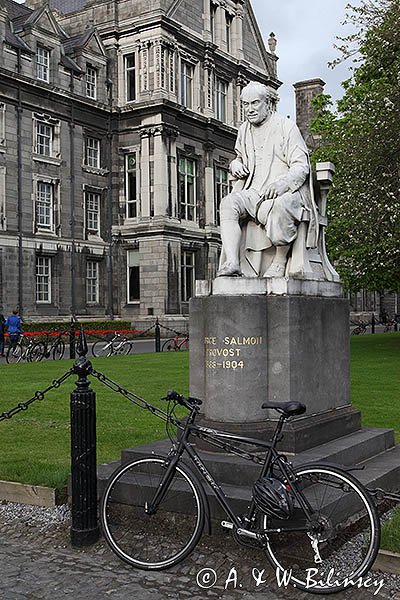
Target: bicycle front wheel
point(58, 350)
point(169, 345)
point(338, 545)
point(152, 541)
point(14, 355)
point(102, 348)
point(123, 348)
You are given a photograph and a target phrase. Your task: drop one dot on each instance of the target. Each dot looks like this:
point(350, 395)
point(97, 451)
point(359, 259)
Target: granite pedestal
point(246, 350)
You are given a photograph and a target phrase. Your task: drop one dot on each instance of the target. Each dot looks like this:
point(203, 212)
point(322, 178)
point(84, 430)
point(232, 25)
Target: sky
point(305, 31)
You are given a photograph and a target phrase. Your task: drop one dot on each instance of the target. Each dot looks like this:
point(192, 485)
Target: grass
point(35, 444)
point(391, 533)
point(375, 378)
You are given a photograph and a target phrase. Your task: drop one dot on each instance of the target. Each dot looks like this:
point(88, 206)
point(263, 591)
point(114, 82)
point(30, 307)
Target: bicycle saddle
point(290, 409)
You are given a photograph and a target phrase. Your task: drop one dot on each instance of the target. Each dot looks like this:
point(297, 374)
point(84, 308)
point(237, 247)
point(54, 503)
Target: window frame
point(41, 201)
point(47, 283)
point(187, 267)
point(90, 286)
point(130, 201)
point(91, 85)
point(90, 196)
point(42, 66)
point(186, 84)
point(221, 99)
point(183, 176)
point(129, 253)
point(130, 75)
point(220, 187)
point(89, 149)
point(50, 137)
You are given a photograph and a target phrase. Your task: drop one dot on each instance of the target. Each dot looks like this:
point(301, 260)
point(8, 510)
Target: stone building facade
point(117, 125)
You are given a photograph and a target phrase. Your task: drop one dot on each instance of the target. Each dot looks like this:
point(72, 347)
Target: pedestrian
point(2, 321)
point(14, 328)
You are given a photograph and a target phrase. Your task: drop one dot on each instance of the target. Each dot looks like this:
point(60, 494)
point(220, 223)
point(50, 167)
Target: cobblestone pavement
point(37, 562)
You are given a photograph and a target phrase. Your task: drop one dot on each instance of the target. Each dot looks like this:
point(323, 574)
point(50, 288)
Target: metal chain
point(141, 402)
point(147, 330)
point(38, 395)
point(173, 330)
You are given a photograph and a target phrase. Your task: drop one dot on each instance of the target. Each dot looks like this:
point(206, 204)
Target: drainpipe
point(19, 189)
point(72, 196)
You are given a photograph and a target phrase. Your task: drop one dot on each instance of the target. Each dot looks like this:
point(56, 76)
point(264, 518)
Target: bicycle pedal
point(227, 525)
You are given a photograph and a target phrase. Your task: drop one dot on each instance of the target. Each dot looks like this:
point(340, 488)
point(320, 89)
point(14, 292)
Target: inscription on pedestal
point(228, 352)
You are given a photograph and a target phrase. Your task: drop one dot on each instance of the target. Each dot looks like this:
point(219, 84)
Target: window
point(228, 31)
point(131, 186)
point(92, 153)
point(130, 77)
point(3, 218)
point(187, 275)
point(133, 276)
point(42, 64)
point(43, 279)
point(186, 84)
point(92, 281)
point(187, 189)
point(221, 190)
point(93, 213)
point(44, 139)
point(213, 13)
point(91, 83)
point(220, 99)
point(44, 205)
point(2, 124)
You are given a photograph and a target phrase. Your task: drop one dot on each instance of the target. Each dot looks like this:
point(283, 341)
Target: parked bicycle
point(46, 348)
point(117, 345)
point(314, 517)
point(23, 350)
point(360, 329)
point(179, 342)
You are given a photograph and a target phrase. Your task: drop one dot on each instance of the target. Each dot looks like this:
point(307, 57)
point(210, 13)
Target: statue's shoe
point(229, 270)
point(275, 270)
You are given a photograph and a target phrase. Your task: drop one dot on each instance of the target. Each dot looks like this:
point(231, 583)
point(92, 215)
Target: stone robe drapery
point(285, 157)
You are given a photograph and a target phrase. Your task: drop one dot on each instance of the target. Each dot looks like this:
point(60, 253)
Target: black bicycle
point(314, 519)
point(47, 348)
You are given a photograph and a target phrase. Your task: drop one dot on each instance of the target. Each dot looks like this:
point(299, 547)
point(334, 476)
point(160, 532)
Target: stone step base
point(370, 449)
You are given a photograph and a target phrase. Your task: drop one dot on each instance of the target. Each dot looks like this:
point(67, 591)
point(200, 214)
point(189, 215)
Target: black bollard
point(84, 528)
point(373, 323)
point(72, 338)
point(158, 336)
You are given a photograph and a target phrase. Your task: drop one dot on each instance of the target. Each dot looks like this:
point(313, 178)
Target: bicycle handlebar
point(189, 403)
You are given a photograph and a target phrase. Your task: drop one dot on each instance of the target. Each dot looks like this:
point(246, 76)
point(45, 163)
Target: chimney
point(305, 91)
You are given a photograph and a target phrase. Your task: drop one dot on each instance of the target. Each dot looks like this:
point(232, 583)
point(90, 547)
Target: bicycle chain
point(380, 494)
point(38, 395)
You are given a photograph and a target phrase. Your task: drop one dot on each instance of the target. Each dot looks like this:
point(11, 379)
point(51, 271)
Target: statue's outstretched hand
point(275, 189)
point(238, 169)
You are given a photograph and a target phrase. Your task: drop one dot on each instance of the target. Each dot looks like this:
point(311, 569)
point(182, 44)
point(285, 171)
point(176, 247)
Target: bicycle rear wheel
point(344, 528)
point(37, 352)
point(58, 350)
point(159, 540)
point(102, 348)
point(14, 355)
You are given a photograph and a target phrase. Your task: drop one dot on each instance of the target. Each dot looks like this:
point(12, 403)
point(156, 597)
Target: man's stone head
point(256, 101)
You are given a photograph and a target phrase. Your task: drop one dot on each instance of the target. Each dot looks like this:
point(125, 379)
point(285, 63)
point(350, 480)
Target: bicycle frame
point(272, 457)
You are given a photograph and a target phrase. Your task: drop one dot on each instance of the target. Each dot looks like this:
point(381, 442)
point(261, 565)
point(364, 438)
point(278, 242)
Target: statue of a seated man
point(272, 189)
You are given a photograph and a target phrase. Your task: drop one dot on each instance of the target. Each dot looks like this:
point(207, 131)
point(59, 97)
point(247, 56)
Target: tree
point(362, 138)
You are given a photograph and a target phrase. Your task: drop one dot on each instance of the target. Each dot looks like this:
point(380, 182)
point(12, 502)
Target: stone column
point(160, 174)
point(145, 173)
point(237, 33)
point(206, 21)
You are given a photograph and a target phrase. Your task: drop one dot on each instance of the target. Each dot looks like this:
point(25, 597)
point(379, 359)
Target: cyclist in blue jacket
point(14, 328)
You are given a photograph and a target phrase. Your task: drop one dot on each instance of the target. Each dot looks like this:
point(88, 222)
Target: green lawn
point(34, 445)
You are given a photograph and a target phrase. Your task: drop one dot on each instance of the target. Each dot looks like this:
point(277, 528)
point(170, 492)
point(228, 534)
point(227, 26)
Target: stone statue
point(271, 195)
